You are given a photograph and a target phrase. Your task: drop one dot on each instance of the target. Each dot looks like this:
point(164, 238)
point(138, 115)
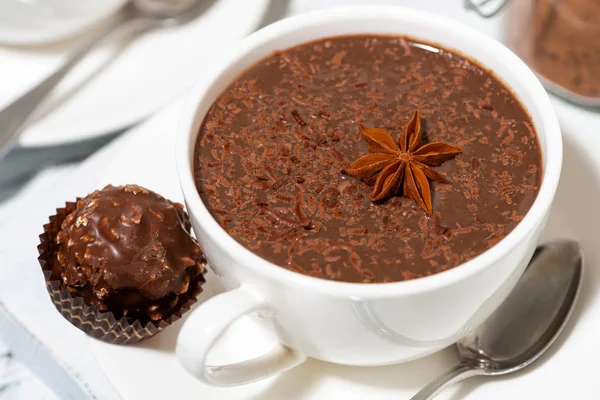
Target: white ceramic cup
point(353, 323)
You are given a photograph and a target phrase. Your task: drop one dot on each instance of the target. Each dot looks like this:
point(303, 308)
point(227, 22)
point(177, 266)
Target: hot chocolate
point(367, 159)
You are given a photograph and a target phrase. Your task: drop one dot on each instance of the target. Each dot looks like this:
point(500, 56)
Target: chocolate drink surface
point(367, 159)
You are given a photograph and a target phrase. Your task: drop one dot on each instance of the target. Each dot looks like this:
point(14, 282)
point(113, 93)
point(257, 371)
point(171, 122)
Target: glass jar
point(558, 39)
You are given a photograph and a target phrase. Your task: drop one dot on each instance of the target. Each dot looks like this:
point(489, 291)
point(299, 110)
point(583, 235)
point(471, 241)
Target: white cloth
point(47, 343)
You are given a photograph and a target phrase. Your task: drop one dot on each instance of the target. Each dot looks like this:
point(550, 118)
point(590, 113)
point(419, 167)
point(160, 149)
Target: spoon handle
point(450, 377)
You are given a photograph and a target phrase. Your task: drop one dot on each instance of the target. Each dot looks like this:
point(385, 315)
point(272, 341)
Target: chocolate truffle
point(129, 251)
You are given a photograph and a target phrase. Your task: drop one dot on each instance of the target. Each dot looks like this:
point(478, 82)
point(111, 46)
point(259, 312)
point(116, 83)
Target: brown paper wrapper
point(101, 325)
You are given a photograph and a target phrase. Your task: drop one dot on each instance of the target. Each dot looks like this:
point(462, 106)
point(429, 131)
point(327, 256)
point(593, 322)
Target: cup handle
point(203, 328)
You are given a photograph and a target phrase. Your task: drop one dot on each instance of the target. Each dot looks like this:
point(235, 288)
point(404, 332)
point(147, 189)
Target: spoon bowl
point(163, 8)
point(526, 323)
point(531, 318)
point(166, 13)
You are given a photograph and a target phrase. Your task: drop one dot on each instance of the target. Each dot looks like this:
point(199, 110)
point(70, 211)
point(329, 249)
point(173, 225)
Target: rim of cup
point(549, 128)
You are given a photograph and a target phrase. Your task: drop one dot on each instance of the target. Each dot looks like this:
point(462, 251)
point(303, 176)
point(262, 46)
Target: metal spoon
point(525, 324)
point(136, 17)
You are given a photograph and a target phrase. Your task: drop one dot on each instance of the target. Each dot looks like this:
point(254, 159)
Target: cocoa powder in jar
point(560, 40)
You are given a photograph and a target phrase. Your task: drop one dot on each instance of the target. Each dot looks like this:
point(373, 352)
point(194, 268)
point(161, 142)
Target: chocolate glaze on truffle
point(129, 250)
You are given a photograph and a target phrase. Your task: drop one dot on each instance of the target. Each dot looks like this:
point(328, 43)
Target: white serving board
point(147, 159)
point(149, 370)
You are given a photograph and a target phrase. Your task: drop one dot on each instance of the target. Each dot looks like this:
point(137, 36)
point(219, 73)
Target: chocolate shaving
point(299, 210)
point(296, 116)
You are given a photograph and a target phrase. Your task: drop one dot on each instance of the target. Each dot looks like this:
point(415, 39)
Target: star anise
point(402, 167)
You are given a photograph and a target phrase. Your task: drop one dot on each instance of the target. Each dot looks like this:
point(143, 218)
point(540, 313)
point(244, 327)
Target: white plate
point(125, 86)
point(26, 22)
point(149, 370)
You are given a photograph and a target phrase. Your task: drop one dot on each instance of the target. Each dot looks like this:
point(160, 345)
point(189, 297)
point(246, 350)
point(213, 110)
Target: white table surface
point(20, 341)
